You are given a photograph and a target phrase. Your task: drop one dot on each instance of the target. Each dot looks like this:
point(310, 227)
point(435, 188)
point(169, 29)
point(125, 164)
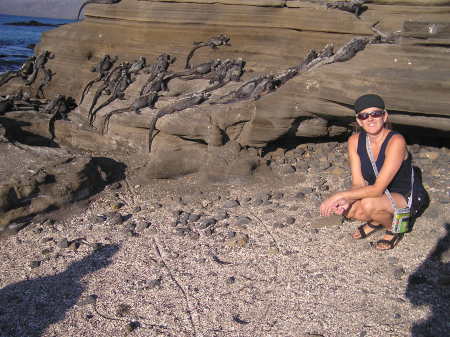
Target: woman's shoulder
point(397, 138)
point(353, 139)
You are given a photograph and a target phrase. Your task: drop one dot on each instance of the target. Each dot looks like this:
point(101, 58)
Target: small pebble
point(35, 264)
point(231, 204)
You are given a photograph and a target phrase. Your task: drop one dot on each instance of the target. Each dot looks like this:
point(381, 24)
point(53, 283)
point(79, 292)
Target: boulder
point(271, 36)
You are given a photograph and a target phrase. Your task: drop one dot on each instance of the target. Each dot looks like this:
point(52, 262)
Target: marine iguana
point(6, 104)
point(102, 68)
point(106, 2)
point(197, 72)
point(108, 84)
point(59, 107)
point(185, 103)
point(48, 75)
point(158, 84)
point(118, 92)
point(160, 66)
point(146, 101)
point(353, 6)
point(227, 71)
point(39, 64)
point(252, 89)
point(137, 65)
point(382, 37)
point(214, 42)
point(25, 70)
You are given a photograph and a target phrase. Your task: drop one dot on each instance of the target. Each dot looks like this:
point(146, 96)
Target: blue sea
point(15, 41)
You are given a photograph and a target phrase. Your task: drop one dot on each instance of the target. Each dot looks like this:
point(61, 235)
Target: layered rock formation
point(271, 35)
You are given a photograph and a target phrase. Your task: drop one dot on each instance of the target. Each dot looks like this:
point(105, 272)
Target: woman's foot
point(388, 241)
point(365, 230)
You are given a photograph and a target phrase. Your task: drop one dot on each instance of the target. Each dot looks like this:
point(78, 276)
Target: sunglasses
point(375, 114)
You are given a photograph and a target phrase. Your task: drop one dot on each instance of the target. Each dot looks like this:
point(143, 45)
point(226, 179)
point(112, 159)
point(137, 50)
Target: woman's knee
point(357, 212)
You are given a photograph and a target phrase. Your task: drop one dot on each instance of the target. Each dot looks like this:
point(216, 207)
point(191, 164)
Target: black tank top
point(401, 183)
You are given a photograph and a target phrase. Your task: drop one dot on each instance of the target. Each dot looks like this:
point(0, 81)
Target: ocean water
point(15, 40)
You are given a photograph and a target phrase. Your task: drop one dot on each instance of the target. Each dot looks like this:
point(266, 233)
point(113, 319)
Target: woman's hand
point(336, 204)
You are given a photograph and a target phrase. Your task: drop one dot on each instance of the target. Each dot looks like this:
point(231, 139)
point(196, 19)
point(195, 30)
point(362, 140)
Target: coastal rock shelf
point(271, 36)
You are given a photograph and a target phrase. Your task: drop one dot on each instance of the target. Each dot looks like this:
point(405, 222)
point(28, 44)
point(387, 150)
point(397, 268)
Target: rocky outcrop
point(411, 74)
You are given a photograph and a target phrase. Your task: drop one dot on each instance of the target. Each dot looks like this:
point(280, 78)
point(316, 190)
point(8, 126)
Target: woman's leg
point(374, 211)
point(380, 210)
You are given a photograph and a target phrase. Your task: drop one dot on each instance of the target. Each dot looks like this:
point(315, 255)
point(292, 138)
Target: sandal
point(391, 243)
point(365, 234)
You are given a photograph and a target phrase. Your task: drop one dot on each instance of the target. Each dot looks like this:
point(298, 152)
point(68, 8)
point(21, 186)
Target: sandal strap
point(361, 231)
point(372, 225)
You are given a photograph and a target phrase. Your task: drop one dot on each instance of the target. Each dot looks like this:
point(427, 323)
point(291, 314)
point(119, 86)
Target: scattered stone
point(118, 205)
point(290, 220)
point(123, 310)
point(240, 240)
point(91, 299)
point(153, 284)
point(207, 222)
point(268, 211)
point(258, 202)
point(182, 231)
point(35, 264)
point(231, 204)
point(47, 251)
point(243, 220)
point(115, 218)
point(131, 326)
point(329, 221)
point(231, 234)
point(137, 209)
point(278, 225)
point(231, 280)
point(194, 217)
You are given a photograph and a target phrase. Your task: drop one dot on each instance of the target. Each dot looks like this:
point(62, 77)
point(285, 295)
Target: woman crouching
point(368, 200)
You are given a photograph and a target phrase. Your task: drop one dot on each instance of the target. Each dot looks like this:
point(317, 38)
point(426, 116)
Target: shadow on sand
point(28, 308)
point(430, 285)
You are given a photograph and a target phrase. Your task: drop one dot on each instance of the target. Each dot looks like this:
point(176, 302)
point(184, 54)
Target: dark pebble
point(47, 251)
point(131, 326)
point(278, 225)
point(91, 299)
point(35, 264)
point(153, 284)
point(98, 219)
point(137, 209)
point(290, 220)
point(231, 204)
point(258, 202)
point(194, 217)
point(182, 231)
point(231, 234)
point(243, 220)
point(207, 222)
point(231, 280)
point(115, 219)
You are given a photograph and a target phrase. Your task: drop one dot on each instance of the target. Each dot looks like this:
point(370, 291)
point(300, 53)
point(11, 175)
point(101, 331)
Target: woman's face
point(372, 119)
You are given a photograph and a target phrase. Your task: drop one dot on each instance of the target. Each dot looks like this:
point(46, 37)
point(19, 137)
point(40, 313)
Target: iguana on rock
point(198, 71)
point(159, 67)
point(185, 103)
point(58, 107)
point(39, 64)
point(146, 101)
point(214, 42)
point(106, 2)
point(48, 75)
point(118, 92)
point(25, 70)
point(252, 89)
point(102, 68)
point(353, 6)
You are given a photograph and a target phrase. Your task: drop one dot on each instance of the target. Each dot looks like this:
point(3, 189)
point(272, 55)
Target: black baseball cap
point(369, 101)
